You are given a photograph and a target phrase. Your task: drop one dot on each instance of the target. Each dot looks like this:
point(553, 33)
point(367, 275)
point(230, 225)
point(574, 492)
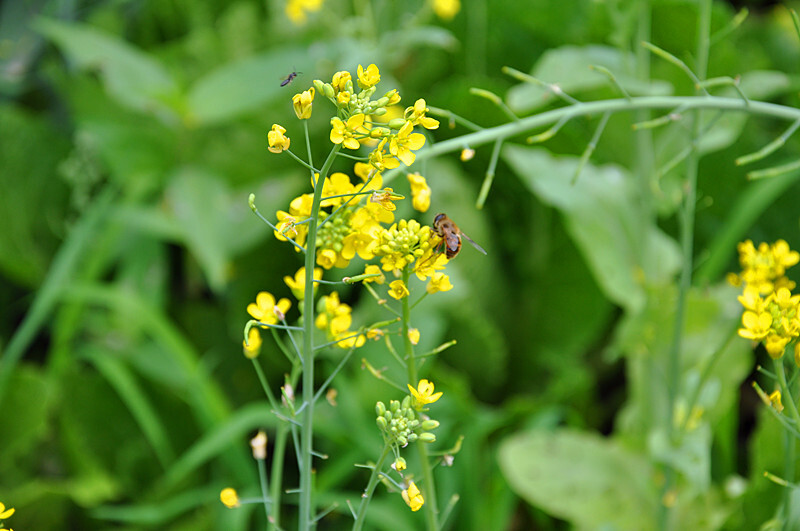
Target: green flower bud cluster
point(331, 234)
point(400, 424)
point(351, 103)
point(403, 243)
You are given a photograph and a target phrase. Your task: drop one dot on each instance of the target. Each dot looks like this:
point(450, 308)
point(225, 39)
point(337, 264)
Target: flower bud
point(412, 437)
point(380, 111)
point(396, 123)
point(430, 424)
point(399, 464)
point(427, 437)
point(380, 409)
point(319, 85)
point(328, 91)
point(381, 422)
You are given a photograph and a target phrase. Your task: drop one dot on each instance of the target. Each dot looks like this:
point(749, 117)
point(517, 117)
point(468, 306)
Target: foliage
point(596, 360)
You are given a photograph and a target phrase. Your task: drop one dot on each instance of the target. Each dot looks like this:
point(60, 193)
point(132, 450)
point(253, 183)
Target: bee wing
point(478, 247)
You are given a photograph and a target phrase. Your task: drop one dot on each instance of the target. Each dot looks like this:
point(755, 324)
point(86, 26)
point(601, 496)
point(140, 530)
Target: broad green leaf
point(233, 89)
point(622, 246)
point(131, 76)
point(215, 222)
point(569, 67)
point(587, 480)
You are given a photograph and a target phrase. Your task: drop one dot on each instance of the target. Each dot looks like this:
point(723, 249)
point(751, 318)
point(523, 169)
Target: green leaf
point(131, 76)
point(583, 478)
point(215, 222)
point(622, 246)
point(243, 86)
point(26, 409)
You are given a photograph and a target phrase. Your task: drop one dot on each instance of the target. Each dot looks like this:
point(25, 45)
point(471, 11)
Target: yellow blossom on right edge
point(413, 497)
point(420, 192)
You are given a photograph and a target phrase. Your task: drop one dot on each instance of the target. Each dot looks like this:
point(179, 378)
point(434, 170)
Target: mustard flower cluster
point(335, 318)
point(354, 124)
point(772, 312)
point(403, 423)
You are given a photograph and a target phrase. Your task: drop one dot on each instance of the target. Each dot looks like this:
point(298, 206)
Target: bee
point(288, 79)
point(451, 236)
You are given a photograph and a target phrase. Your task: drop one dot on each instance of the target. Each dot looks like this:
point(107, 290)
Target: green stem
point(307, 428)
point(262, 476)
point(428, 486)
point(789, 441)
point(373, 482)
point(687, 220)
point(278, 454)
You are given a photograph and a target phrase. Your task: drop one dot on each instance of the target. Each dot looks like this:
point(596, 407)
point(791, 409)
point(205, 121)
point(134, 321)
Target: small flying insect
point(288, 79)
point(451, 236)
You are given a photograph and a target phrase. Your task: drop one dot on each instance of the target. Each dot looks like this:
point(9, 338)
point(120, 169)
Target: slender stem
point(687, 219)
point(278, 454)
point(428, 486)
point(307, 429)
point(262, 475)
point(373, 482)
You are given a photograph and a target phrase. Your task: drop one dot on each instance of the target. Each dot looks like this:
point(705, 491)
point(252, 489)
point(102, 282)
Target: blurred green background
point(132, 132)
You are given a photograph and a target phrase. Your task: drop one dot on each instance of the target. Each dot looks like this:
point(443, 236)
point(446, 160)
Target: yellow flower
point(229, 497)
point(385, 198)
point(413, 497)
point(399, 464)
point(413, 335)
point(756, 325)
point(337, 184)
point(775, 400)
point(336, 317)
point(423, 394)
point(775, 345)
point(372, 269)
point(380, 160)
point(5, 513)
point(416, 115)
point(278, 142)
point(446, 9)
point(265, 310)
point(398, 290)
point(358, 242)
point(429, 263)
point(467, 154)
point(298, 283)
point(344, 133)
point(302, 103)
point(340, 82)
point(252, 347)
point(402, 144)
point(328, 258)
point(296, 9)
point(369, 77)
point(439, 282)
point(420, 192)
